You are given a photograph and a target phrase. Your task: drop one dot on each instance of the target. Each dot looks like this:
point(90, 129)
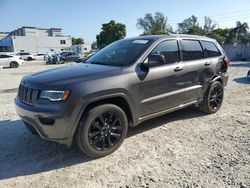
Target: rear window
point(210, 50)
point(191, 50)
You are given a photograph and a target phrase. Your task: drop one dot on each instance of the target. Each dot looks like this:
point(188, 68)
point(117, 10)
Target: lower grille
point(27, 94)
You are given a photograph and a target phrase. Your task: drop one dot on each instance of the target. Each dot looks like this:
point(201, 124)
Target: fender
point(85, 103)
point(217, 78)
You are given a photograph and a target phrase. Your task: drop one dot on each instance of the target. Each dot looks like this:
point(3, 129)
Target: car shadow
point(186, 113)
point(22, 153)
point(242, 80)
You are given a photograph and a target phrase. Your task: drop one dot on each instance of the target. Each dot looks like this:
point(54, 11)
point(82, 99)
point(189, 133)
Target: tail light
point(227, 61)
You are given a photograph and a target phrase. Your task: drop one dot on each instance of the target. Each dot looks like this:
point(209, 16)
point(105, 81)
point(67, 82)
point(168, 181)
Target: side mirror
point(155, 60)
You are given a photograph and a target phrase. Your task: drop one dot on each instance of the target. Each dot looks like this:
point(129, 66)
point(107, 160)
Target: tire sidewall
point(85, 124)
point(14, 64)
point(212, 86)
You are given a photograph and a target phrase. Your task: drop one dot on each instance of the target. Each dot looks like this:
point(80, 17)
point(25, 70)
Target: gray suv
point(122, 85)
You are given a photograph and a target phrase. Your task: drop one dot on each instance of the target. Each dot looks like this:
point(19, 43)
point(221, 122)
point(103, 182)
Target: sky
point(84, 18)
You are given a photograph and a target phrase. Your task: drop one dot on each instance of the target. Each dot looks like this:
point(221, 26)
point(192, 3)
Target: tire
point(213, 98)
point(248, 74)
point(14, 64)
point(98, 138)
point(29, 59)
point(30, 128)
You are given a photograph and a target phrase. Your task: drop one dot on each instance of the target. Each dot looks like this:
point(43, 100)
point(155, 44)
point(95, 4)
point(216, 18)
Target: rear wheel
point(102, 130)
point(29, 59)
point(213, 98)
point(14, 64)
point(248, 74)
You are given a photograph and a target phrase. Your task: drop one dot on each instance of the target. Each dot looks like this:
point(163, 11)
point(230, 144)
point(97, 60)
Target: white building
point(35, 40)
point(3, 35)
point(81, 48)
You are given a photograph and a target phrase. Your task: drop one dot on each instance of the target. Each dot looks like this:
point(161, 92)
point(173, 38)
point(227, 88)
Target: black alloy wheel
point(101, 130)
point(213, 98)
point(105, 131)
point(216, 97)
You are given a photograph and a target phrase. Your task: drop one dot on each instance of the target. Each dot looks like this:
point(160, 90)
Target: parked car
point(53, 59)
point(39, 56)
point(26, 56)
point(69, 56)
point(10, 61)
point(122, 85)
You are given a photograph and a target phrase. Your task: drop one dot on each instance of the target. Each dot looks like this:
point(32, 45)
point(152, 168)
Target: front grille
point(27, 94)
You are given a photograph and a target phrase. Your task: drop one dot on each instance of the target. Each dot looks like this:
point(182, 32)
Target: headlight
point(55, 95)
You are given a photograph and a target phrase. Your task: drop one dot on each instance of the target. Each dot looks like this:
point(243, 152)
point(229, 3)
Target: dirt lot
point(181, 149)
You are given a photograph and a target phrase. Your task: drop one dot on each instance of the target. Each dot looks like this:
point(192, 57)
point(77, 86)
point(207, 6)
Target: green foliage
point(111, 32)
point(238, 33)
point(221, 35)
point(154, 25)
point(77, 41)
point(190, 26)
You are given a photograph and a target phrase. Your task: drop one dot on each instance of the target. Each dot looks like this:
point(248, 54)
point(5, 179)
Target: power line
point(217, 17)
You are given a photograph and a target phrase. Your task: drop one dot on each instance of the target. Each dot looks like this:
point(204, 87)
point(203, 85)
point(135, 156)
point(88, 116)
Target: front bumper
point(50, 124)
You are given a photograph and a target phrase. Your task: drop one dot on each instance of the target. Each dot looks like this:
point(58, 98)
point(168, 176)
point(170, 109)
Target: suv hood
point(71, 74)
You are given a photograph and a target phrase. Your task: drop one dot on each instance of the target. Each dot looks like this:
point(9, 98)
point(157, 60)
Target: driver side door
point(163, 87)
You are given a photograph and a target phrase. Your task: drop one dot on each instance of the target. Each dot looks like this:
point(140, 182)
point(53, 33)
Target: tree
point(154, 25)
point(111, 32)
point(209, 25)
point(190, 26)
point(238, 33)
point(77, 41)
point(221, 35)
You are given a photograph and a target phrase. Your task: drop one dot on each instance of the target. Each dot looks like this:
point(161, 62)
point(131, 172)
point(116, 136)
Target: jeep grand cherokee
point(125, 83)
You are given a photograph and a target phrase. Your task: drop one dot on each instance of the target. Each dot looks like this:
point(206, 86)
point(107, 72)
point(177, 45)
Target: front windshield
point(120, 53)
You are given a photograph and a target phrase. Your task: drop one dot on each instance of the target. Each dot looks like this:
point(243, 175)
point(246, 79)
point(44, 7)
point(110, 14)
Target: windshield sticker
point(140, 41)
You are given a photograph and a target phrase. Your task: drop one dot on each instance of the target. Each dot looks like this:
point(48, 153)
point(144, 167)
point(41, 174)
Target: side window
point(191, 50)
point(169, 49)
point(210, 50)
point(5, 56)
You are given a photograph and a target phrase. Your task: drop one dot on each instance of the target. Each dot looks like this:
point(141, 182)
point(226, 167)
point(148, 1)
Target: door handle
point(207, 63)
point(178, 68)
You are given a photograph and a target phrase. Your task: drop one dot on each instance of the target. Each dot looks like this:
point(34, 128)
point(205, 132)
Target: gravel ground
point(182, 149)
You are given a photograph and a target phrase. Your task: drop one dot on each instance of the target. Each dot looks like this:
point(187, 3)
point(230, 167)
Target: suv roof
point(172, 36)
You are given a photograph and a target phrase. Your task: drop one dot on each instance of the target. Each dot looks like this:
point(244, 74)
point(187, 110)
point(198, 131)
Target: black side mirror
point(155, 60)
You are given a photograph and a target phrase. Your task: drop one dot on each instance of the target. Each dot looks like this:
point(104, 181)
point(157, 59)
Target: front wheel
point(14, 64)
point(213, 98)
point(102, 130)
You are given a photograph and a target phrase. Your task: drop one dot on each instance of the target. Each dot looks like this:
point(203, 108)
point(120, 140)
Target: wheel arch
point(120, 100)
point(217, 78)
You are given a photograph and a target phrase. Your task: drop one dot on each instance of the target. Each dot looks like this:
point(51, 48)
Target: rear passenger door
point(199, 69)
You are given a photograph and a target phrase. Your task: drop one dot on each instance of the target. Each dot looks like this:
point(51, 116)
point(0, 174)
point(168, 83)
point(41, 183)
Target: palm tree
point(240, 30)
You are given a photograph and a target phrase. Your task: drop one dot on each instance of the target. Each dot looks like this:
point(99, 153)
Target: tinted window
point(5, 56)
point(169, 49)
point(191, 50)
point(24, 53)
point(210, 50)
